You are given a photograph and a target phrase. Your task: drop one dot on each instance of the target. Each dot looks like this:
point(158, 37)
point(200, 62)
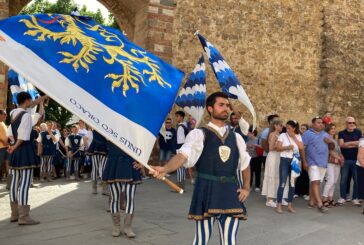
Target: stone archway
point(148, 23)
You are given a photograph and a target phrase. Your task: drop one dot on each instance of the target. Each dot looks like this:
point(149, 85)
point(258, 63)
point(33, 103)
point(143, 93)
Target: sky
point(92, 5)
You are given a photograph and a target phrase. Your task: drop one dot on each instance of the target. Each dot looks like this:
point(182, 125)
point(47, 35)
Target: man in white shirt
point(223, 173)
point(182, 132)
point(22, 159)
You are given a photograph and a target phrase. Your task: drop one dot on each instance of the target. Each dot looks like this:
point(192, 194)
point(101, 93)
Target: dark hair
point(305, 125)
point(180, 113)
point(327, 112)
point(295, 125)
point(316, 118)
point(255, 132)
point(331, 146)
point(329, 126)
point(271, 117)
point(211, 100)
point(231, 115)
point(22, 97)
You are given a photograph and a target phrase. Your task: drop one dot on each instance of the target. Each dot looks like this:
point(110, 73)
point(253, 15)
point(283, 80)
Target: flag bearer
point(122, 174)
point(23, 159)
point(222, 165)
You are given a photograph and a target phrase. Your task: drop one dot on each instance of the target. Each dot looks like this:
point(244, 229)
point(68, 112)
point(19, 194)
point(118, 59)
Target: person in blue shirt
point(316, 142)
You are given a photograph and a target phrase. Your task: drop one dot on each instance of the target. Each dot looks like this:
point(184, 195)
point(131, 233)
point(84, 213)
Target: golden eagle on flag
point(120, 89)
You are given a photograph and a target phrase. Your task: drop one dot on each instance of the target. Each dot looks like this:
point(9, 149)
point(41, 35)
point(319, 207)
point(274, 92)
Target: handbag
point(258, 149)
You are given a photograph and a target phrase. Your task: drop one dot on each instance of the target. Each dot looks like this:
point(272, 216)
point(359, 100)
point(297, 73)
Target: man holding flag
point(222, 163)
point(22, 160)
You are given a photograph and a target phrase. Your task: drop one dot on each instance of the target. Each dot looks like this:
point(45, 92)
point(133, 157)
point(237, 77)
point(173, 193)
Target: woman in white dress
point(271, 172)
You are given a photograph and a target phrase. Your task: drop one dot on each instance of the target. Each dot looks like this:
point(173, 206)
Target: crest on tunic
point(48, 137)
point(224, 152)
point(76, 141)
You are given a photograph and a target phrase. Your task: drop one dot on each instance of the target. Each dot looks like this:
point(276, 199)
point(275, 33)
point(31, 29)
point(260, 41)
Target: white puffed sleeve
point(192, 148)
point(244, 158)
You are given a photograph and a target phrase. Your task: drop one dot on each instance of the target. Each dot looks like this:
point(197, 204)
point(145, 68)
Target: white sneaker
point(257, 189)
point(284, 202)
point(306, 197)
point(295, 196)
point(348, 199)
point(271, 204)
point(356, 202)
point(341, 201)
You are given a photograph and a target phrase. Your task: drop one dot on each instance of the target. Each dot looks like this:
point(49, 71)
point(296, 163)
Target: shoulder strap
point(18, 117)
point(288, 138)
point(16, 120)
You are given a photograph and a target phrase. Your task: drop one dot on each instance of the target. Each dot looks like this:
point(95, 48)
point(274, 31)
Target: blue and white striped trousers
point(46, 164)
point(181, 174)
point(75, 162)
point(20, 184)
point(98, 165)
point(228, 229)
point(116, 190)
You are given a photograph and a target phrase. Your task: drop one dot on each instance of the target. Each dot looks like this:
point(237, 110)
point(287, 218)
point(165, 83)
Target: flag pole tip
point(196, 32)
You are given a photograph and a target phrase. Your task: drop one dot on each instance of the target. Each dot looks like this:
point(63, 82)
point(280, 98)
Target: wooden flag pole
point(173, 185)
point(167, 181)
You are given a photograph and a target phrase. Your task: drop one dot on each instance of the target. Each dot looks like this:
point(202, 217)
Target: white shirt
point(68, 144)
point(89, 136)
point(56, 136)
point(193, 147)
point(181, 137)
point(287, 141)
point(25, 127)
point(82, 132)
point(361, 144)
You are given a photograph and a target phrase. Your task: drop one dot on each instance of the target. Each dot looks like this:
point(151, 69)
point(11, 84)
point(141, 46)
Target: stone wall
point(273, 47)
point(342, 63)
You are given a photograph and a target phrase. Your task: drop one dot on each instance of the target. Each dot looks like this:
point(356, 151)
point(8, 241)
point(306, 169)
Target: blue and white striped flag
point(192, 96)
point(18, 84)
point(229, 83)
point(119, 89)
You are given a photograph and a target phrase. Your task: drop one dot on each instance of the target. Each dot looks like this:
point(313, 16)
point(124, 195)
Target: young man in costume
point(223, 173)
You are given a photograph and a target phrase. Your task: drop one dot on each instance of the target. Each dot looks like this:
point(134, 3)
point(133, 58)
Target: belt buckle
point(223, 179)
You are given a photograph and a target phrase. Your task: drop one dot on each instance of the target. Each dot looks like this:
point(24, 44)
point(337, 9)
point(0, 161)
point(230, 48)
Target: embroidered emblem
point(76, 141)
point(224, 152)
point(48, 136)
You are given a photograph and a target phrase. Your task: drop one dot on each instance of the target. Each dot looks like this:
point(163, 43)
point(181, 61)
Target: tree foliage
point(54, 111)
point(66, 7)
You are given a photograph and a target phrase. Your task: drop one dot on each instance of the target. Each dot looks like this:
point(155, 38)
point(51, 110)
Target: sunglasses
point(350, 123)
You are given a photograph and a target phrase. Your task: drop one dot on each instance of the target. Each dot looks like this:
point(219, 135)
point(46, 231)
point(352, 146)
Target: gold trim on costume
point(223, 138)
point(211, 212)
point(24, 167)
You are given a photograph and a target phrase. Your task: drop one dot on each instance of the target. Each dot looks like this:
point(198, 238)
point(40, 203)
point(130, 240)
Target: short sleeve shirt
point(350, 153)
point(287, 141)
point(316, 149)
